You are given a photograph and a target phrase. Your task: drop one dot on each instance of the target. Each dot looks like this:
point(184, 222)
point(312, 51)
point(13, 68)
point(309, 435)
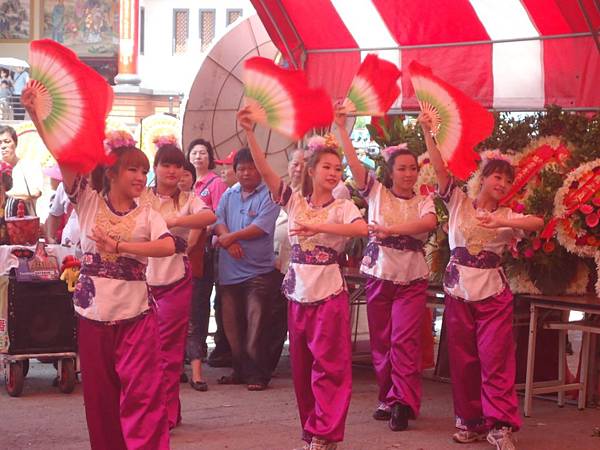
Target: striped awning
point(507, 54)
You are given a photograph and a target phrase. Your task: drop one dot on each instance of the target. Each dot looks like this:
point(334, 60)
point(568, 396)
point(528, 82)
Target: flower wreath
point(577, 213)
point(547, 152)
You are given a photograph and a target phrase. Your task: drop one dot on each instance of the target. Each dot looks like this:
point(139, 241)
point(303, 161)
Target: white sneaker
point(466, 436)
point(321, 444)
point(502, 438)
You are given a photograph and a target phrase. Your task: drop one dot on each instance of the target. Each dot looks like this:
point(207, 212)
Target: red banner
point(531, 165)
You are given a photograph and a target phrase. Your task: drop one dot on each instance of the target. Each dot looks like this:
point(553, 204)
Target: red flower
point(528, 253)
point(586, 209)
point(549, 247)
point(519, 207)
point(592, 220)
point(596, 201)
point(536, 244)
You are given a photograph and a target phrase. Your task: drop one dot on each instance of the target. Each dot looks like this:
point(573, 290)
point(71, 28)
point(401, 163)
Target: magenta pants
point(481, 349)
point(122, 385)
point(395, 314)
point(321, 357)
point(174, 305)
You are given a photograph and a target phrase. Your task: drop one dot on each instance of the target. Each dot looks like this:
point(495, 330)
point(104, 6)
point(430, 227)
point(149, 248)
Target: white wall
point(159, 69)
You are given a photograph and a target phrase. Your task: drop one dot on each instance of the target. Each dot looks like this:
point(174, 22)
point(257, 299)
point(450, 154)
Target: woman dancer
point(170, 278)
point(399, 221)
point(118, 334)
point(479, 308)
point(318, 314)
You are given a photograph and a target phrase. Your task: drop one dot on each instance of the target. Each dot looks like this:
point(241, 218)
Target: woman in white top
point(170, 279)
point(400, 221)
point(319, 314)
point(479, 307)
point(118, 334)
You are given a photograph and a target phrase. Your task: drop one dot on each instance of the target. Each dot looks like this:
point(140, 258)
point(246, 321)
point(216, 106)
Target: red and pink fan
point(459, 122)
point(282, 100)
point(374, 87)
point(68, 102)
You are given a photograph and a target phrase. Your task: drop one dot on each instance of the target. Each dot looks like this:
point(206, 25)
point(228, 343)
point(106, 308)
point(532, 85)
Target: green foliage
point(394, 130)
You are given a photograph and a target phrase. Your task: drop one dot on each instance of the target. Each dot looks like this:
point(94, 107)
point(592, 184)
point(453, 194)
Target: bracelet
point(117, 247)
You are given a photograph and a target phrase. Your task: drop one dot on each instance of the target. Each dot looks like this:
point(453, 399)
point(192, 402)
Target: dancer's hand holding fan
point(68, 102)
point(374, 87)
point(458, 123)
point(281, 99)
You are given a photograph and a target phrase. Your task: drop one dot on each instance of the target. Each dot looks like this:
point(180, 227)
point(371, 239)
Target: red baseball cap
point(228, 161)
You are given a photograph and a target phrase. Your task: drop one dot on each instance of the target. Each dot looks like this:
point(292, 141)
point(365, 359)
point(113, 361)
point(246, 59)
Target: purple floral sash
point(402, 243)
point(319, 256)
point(483, 260)
point(123, 268)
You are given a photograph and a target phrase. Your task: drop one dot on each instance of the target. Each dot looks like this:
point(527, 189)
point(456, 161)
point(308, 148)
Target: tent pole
point(300, 44)
point(280, 34)
point(450, 44)
point(589, 23)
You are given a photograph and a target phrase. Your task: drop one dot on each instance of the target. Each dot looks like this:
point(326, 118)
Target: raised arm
point(359, 172)
point(441, 172)
point(271, 179)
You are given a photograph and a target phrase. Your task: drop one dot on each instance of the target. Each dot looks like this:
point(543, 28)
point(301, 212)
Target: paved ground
point(230, 417)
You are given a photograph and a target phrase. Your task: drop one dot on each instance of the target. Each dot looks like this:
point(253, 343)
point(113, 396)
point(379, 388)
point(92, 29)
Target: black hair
point(389, 166)
point(209, 149)
point(498, 166)
point(169, 154)
point(10, 130)
point(243, 155)
point(189, 167)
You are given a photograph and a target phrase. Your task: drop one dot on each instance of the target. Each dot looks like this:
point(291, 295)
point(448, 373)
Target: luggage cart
point(40, 324)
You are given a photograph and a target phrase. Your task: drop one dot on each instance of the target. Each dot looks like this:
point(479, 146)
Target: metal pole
point(283, 40)
point(589, 23)
point(450, 44)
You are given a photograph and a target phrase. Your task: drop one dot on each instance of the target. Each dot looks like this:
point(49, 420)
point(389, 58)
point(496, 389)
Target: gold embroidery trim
point(475, 235)
point(309, 215)
point(117, 227)
point(396, 211)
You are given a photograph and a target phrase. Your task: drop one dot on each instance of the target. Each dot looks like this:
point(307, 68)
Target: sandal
point(201, 386)
point(257, 387)
point(229, 379)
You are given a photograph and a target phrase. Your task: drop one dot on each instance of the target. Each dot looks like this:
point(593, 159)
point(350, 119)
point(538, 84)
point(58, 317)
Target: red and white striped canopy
point(506, 54)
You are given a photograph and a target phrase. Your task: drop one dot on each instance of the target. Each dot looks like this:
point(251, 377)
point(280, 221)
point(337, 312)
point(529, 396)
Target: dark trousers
point(247, 308)
point(196, 347)
point(278, 328)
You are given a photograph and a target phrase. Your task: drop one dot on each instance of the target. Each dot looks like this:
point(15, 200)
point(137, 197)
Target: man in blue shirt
point(245, 227)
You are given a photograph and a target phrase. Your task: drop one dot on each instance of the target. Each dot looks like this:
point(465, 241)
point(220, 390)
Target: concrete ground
point(232, 418)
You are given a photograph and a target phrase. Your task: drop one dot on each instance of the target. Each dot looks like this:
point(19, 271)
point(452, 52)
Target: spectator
point(27, 175)
point(227, 172)
point(5, 90)
point(282, 249)
point(209, 188)
point(246, 218)
point(20, 81)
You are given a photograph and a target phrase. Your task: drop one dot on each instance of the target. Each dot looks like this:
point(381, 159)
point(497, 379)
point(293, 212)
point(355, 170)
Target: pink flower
point(586, 209)
point(536, 244)
point(528, 253)
point(519, 207)
point(592, 219)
